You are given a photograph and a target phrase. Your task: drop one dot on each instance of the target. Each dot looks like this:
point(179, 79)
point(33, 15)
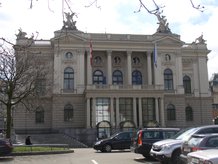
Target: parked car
point(146, 137)
point(209, 156)
point(118, 141)
point(198, 142)
point(169, 150)
point(6, 146)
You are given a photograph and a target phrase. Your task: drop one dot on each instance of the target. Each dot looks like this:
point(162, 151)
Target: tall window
point(126, 109)
point(39, 115)
point(117, 77)
point(187, 84)
point(40, 86)
point(102, 109)
point(188, 114)
point(68, 112)
point(171, 112)
point(168, 79)
point(148, 110)
point(68, 78)
point(136, 77)
point(98, 77)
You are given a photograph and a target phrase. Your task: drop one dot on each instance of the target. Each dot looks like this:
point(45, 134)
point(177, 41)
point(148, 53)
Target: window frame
point(136, 77)
point(117, 78)
point(171, 112)
point(168, 79)
point(187, 84)
point(68, 113)
point(68, 78)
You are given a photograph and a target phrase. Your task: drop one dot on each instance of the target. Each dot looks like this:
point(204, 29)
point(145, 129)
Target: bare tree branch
point(198, 7)
point(19, 71)
point(94, 2)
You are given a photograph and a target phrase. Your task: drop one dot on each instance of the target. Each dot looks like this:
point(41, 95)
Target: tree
point(141, 2)
point(19, 73)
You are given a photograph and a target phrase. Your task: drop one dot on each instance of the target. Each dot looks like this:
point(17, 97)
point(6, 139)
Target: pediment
point(169, 40)
point(69, 37)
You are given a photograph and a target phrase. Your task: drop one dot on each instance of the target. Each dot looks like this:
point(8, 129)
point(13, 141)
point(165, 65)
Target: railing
point(50, 146)
point(125, 87)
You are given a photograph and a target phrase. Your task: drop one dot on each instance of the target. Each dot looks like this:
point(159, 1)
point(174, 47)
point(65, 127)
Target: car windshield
point(195, 140)
point(185, 134)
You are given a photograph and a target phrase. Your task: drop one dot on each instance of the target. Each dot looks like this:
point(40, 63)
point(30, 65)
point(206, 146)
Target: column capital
point(129, 52)
point(109, 52)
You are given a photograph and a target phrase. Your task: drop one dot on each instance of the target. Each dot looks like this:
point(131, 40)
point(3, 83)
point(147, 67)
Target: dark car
point(198, 142)
point(146, 137)
point(118, 141)
point(6, 147)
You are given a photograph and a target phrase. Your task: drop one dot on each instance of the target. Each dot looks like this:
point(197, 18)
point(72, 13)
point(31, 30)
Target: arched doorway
point(103, 129)
point(127, 126)
point(151, 124)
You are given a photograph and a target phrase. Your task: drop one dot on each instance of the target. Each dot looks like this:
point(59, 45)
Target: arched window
point(168, 79)
point(117, 77)
point(136, 77)
point(98, 77)
point(188, 114)
point(68, 112)
point(171, 112)
point(187, 84)
point(68, 78)
point(39, 115)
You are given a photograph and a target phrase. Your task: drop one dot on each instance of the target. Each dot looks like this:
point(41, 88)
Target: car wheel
point(176, 157)
point(147, 156)
point(107, 148)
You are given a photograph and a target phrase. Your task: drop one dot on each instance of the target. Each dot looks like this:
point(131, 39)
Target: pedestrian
point(28, 141)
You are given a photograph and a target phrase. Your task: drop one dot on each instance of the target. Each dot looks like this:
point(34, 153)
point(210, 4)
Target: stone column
point(157, 110)
point(149, 68)
point(129, 67)
point(134, 111)
point(117, 112)
point(162, 112)
point(93, 112)
point(109, 67)
point(140, 113)
point(89, 70)
point(88, 115)
point(112, 119)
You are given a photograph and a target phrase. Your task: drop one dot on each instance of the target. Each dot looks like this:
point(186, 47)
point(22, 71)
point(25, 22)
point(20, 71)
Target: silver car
point(203, 156)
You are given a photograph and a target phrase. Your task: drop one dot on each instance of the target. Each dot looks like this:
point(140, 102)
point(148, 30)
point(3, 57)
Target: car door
point(149, 137)
point(122, 141)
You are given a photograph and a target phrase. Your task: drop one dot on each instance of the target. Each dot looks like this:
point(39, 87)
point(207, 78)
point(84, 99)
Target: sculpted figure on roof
point(200, 40)
point(21, 34)
point(69, 23)
point(163, 25)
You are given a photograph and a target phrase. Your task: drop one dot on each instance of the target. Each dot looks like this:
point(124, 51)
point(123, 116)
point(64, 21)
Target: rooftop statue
point(69, 23)
point(21, 34)
point(163, 25)
point(200, 40)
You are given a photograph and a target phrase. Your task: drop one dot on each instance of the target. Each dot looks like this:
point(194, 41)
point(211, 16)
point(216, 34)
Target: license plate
point(187, 149)
point(195, 160)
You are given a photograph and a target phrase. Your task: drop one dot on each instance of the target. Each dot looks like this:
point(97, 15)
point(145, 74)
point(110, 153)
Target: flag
point(91, 51)
point(155, 54)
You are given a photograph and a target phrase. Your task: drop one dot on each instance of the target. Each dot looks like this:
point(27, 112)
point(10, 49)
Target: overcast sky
point(115, 16)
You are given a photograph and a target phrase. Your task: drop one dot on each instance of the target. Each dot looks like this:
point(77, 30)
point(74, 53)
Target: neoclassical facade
point(129, 82)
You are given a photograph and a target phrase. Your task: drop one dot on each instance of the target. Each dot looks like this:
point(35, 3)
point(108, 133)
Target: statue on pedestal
point(163, 25)
point(69, 23)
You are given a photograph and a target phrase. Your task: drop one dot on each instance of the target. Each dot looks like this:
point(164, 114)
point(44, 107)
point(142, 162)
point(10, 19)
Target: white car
point(168, 151)
point(209, 156)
